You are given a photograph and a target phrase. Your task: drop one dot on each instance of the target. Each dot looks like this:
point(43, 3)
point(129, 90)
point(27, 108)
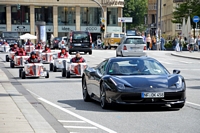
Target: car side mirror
point(176, 71)
point(93, 73)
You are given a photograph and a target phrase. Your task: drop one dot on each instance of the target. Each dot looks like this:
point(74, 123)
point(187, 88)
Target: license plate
point(152, 94)
point(77, 44)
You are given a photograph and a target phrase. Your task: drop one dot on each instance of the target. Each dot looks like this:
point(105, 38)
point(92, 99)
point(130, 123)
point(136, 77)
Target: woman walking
point(148, 40)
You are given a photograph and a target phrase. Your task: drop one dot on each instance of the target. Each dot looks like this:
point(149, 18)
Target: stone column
point(78, 18)
point(32, 19)
point(55, 21)
point(8, 18)
point(105, 16)
point(120, 14)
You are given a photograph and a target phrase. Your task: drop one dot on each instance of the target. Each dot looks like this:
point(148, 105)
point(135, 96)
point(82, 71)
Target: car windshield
point(134, 41)
point(58, 38)
point(80, 37)
point(136, 67)
point(10, 34)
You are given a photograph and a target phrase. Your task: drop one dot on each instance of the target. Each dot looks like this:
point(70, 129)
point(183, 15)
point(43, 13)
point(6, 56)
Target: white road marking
point(185, 62)
point(80, 127)
point(33, 93)
point(71, 121)
point(165, 62)
point(193, 104)
point(77, 116)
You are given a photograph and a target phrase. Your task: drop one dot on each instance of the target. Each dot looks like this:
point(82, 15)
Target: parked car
point(55, 43)
point(133, 80)
point(131, 46)
point(79, 41)
point(112, 40)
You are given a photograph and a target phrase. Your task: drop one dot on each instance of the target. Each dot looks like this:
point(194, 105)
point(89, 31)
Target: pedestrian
point(181, 43)
point(153, 43)
point(191, 43)
point(198, 41)
point(99, 43)
point(162, 43)
point(174, 44)
point(148, 40)
point(144, 38)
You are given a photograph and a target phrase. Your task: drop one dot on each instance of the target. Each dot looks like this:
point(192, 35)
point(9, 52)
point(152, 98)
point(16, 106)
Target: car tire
point(90, 53)
point(63, 72)
point(103, 102)
point(23, 75)
point(68, 74)
point(7, 58)
point(12, 64)
point(86, 96)
point(178, 106)
point(47, 76)
point(20, 72)
point(51, 66)
point(122, 54)
point(54, 69)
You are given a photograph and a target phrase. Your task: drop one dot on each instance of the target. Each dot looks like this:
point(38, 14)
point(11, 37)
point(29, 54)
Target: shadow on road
point(194, 87)
point(8, 95)
point(95, 106)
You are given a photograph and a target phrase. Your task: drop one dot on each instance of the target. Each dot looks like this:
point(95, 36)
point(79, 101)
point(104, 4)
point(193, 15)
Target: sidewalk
point(17, 115)
point(187, 54)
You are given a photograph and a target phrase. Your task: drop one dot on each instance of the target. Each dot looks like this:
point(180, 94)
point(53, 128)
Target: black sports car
point(133, 80)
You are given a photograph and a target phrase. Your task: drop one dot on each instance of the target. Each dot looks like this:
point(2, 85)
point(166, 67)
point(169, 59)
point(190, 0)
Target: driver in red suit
point(14, 48)
point(33, 58)
point(47, 49)
point(21, 52)
point(63, 53)
point(78, 58)
point(39, 46)
point(29, 42)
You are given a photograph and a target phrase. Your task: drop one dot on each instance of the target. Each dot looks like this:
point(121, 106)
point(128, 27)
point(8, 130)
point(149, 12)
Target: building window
point(20, 16)
point(112, 17)
point(66, 16)
point(90, 16)
point(45, 14)
point(152, 6)
point(2, 14)
point(178, 26)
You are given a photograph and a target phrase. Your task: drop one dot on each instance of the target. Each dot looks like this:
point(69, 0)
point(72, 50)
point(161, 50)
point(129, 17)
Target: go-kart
point(33, 70)
point(73, 69)
point(29, 48)
point(10, 56)
point(5, 47)
point(38, 52)
point(47, 58)
point(18, 61)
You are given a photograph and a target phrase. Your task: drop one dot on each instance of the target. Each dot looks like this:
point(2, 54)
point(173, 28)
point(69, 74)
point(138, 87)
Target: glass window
point(90, 16)
point(102, 66)
point(112, 17)
point(44, 13)
point(116, 35)
point(20, 16)
point(66, 16)
point(81, 37)
point(2, 14)
point(134, 41)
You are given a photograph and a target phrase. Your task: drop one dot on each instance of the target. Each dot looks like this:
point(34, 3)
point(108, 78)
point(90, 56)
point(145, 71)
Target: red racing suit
point(20, 53)
point(61, 55)
point(78, 60)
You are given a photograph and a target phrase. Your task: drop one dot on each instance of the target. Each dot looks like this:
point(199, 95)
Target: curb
point(183, 56)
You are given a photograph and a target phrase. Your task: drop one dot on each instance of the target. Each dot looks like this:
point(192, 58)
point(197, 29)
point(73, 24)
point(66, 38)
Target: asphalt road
point(63, 99)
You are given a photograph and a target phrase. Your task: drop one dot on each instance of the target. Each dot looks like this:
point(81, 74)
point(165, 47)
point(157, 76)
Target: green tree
point(137, 9)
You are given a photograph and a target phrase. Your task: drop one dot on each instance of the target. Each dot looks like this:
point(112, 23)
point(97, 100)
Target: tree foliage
point(189, 7)
point(137, 9)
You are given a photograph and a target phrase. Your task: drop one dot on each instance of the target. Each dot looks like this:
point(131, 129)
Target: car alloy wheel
point(103, 97)
point(86, 96)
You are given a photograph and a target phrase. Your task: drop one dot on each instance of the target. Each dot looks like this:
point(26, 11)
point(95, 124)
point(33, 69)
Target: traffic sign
point(125, 19)
point(196, 19)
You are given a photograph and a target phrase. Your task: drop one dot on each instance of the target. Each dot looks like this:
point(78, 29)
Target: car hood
point(148, 82)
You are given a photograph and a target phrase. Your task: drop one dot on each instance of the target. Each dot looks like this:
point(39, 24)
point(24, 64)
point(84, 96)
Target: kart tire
point(51, 66)
point(47, 76)
point(20, 72)
point(23, 75)
point(54, 69)
point(90, 53)
point(7, 58)
point(68, 74)
point(63, 72)
point(12, 64)
point(85, 52)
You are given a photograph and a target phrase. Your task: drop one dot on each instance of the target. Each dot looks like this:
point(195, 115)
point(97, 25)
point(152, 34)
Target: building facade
point(152, 7)
point(61, 16)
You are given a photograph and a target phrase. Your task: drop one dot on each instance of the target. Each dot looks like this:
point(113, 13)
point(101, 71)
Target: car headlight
point(118, 85)
point(179, 83)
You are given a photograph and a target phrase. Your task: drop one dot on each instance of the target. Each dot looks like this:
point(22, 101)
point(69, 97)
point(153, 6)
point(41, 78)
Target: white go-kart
point(5, 48)
point(18, 61)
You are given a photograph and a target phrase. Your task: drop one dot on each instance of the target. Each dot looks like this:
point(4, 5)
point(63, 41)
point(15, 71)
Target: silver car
point(131, 46)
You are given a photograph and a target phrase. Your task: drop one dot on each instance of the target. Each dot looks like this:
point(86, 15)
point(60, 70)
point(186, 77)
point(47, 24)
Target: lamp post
point(102, 36)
